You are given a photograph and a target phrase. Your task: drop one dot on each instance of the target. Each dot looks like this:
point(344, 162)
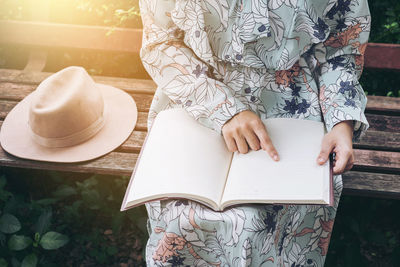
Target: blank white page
point(295, 178)
point(180, 156)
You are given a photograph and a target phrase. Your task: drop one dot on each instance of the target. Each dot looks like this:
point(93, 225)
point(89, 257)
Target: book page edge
point(124, 201)
point(141, 201)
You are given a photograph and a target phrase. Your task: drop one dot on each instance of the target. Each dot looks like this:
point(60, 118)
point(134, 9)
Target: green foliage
point(19, 242)
point(9, 223)
point(30, 260)
point(121, 13)
point(385, 26)
point(53, 240)
point(87, 212)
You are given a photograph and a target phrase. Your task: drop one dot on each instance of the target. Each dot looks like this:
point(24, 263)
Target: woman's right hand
point(246, 129)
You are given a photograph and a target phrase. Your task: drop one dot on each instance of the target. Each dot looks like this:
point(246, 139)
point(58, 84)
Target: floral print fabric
point(279, 58)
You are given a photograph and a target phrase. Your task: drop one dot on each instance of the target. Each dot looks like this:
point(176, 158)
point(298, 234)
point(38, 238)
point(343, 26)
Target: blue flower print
point(337, 62)
point(295, 89)
point(262, 28)
point(270, 222)
point(303, 106)
point(347, 86)
point(291, 106)
point(350, 102)
point(239, 56)
point(319, 29)
point(343, 6)
point(332, 12)
point(176, 261)
point(340, 24)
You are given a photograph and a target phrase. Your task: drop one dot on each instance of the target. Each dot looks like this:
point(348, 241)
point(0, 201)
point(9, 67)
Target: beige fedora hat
point(69, 118)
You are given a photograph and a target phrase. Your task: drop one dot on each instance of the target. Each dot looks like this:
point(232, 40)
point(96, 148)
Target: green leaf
point(43, 222)
point(53, 240)
point(19, 242)
point(29, 260)
point(9, 224)
point(64, 191)
point(3, 263)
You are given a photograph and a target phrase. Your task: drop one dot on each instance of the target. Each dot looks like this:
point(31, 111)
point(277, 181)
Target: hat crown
point(65, 104)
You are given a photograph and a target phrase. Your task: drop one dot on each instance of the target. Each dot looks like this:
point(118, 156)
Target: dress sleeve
point(341, 59)
point(185, 78)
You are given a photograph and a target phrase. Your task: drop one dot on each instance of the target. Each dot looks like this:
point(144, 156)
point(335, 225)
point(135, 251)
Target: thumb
point(326, 148)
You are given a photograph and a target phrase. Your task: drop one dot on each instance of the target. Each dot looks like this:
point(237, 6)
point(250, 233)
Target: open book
point(181, 158)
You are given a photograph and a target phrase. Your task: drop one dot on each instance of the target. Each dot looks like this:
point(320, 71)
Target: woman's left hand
point(338, 140)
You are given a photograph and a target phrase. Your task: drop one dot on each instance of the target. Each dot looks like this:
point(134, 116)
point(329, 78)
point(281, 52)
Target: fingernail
point(320, 159)
point(276, 157)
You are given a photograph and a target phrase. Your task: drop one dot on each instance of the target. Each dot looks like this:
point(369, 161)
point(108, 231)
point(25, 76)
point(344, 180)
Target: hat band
point(72, 139)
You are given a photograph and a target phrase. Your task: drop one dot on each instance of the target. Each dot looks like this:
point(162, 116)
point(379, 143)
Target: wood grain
point(363, 183)
point(382, 56)
point(17, 92)
point(128, 84)
point(116, 163)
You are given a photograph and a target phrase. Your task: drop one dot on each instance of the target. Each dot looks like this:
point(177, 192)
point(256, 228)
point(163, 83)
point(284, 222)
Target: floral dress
point(278, 58)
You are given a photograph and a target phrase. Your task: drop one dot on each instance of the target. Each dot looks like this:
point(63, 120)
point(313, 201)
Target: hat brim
point(120, 114)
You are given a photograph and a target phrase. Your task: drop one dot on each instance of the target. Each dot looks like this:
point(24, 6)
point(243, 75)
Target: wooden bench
point(376, 171)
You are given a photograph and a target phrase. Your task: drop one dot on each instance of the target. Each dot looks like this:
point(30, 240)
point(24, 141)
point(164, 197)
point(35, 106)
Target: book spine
point(331, 192)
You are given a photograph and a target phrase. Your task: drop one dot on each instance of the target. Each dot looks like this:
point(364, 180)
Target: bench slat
point(116, 163)
point(387, 161)
point(383, 104)
point(383, 123)
point(144, 86)
point(8, 96)
point(379, 140)
point(371, 184)
point(382, 56)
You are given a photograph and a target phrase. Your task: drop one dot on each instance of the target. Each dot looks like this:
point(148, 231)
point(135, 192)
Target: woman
point(230, 63)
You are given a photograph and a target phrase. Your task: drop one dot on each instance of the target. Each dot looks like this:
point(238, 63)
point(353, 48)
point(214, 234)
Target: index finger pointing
point(266, 142)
